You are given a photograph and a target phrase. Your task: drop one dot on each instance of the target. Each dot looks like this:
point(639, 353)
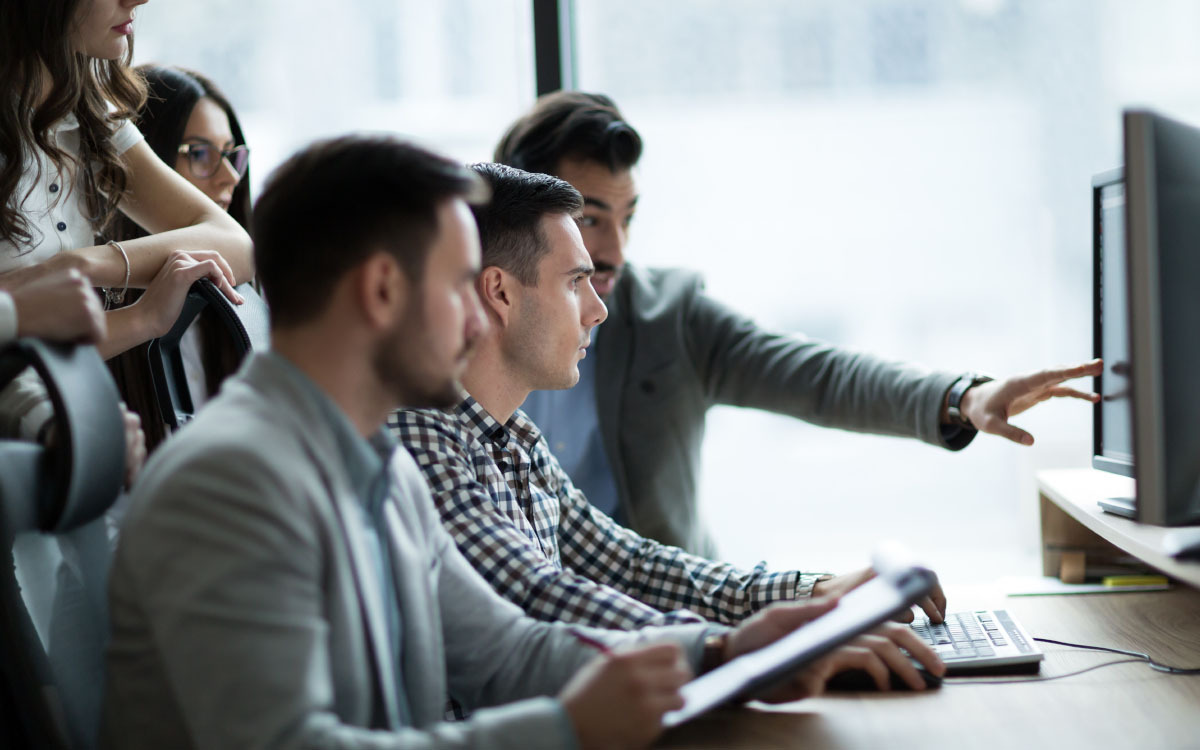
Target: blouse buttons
point(62, 226)
point(54, 188)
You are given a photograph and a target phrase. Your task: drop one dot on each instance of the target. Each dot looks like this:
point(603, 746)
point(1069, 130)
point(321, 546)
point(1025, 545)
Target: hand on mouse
point(878, 655)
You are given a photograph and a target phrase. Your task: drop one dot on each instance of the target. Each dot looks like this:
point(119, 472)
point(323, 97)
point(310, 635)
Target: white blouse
point(53, 201)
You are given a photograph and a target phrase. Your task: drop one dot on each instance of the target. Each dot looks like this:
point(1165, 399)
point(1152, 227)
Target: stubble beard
point(401, 365)
point(531, 353)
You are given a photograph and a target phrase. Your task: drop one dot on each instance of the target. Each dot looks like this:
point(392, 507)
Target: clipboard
point(898, 585)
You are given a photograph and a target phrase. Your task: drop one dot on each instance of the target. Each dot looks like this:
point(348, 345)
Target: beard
point(405, 366)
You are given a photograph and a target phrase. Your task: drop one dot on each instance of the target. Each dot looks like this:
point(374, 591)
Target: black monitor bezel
point(1099, 460)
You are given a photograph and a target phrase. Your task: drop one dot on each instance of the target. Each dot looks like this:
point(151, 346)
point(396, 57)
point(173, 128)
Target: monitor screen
point(1113, 421)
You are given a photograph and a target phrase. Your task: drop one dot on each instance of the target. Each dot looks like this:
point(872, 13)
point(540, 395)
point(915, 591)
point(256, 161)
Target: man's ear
point(496, 292)
point(383, 290)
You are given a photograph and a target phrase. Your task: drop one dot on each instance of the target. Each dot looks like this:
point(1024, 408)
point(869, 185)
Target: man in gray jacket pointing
point(629, 434)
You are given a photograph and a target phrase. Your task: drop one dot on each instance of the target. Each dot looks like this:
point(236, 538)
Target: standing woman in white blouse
point(70, 159)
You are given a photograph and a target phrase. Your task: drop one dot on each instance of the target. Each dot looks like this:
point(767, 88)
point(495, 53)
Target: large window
point(451, 74)
point(908, 178)
point(905, 177)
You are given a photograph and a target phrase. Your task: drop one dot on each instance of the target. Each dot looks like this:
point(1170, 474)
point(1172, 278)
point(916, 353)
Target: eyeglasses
point(204, 159)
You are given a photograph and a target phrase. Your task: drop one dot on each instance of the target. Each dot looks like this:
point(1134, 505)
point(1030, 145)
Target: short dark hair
point(510, 223)
point(333, 204)
point(570, 124)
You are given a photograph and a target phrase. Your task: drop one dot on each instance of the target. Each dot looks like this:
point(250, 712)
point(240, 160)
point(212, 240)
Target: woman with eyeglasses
point(70, 161)
point(192, 127)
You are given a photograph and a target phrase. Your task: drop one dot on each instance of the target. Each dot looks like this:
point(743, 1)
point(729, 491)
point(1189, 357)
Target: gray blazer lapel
point(369, 589)
point(413, 574)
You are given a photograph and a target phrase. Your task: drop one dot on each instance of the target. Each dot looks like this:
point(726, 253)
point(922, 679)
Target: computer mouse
point(1183, 544)
point(860, 680)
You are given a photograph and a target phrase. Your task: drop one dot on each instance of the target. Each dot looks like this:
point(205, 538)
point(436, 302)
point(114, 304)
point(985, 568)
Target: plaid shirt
point(518, 519)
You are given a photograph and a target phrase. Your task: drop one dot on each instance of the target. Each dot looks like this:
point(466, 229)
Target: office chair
point(246, 327)
point(55, 546)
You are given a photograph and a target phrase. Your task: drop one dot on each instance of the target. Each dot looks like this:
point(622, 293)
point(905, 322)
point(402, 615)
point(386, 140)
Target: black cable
point(1158, 667)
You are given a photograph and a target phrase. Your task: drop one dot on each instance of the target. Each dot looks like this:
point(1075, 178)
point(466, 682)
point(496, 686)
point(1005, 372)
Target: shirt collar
point(66, 123)
point(480, 424)
point(363, 458)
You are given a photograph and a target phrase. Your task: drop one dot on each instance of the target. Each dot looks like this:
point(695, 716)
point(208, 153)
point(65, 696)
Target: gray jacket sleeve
point(494, 652)
point(744, 365)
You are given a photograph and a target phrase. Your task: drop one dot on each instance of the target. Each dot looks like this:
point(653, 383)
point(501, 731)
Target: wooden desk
point(1072, 520)
point(1121, 706)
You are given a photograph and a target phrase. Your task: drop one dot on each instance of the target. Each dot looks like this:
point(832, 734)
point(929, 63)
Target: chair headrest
point(247, 327)
point(246, 324)
point(81, 472)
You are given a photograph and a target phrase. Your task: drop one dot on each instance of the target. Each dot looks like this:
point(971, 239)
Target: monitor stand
point(1119, 506)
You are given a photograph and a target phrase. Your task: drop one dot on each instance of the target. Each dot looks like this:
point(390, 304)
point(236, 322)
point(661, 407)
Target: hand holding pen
point(619, 700)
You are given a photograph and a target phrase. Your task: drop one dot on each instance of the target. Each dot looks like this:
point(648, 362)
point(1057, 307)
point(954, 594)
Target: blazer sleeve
point(495, 654)
point(741, 364)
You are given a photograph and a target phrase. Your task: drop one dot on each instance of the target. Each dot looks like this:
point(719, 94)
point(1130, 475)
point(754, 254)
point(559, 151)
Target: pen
point(589, 641)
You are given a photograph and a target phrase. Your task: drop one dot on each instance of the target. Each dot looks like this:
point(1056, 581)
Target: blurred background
point(905, 177)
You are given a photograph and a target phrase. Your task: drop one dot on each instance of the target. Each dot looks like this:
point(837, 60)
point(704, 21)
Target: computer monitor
point(1162, 222)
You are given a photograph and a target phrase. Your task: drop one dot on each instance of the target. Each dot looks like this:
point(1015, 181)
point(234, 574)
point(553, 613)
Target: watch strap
point(714, 651)
point(954, 400)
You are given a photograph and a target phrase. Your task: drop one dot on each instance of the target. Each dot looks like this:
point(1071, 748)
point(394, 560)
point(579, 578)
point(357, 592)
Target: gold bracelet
point(116, 298)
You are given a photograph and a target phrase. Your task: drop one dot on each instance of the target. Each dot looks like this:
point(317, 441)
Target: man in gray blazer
point(282, 579)
point(629, 434)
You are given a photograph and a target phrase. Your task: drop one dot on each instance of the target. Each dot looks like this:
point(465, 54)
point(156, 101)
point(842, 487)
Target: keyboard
point(981, 642)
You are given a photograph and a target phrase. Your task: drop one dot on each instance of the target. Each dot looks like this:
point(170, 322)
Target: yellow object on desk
point(1140, 580)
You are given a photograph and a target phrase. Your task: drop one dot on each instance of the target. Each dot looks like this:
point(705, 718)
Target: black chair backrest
point(245, 325)
point(53, 607)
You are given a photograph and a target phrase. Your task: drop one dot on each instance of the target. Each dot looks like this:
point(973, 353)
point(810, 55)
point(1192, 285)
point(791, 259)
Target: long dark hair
point(37, 33)
point(172, 94)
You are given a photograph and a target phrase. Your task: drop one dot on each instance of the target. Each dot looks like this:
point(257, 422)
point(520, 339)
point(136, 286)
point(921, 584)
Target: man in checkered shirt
point(503, 496)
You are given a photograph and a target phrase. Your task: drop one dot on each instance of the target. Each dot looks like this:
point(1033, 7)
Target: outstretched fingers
point(1060, 374)
point(1063, 391)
